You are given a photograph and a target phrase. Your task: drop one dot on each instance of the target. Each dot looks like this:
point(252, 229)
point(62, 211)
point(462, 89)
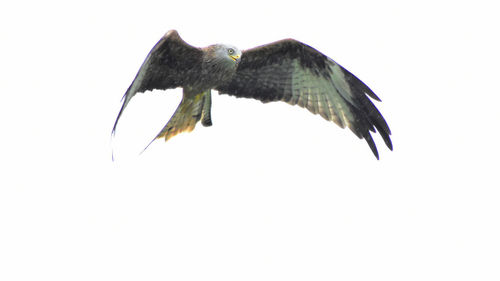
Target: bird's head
point(228, 52)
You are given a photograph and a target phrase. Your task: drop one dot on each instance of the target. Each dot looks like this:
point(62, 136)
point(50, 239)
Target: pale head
point(227, 52)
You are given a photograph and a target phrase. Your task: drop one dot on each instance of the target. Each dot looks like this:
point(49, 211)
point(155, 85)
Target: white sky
point(269, 192)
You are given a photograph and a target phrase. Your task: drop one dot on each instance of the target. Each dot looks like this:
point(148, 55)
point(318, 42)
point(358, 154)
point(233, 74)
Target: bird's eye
point(230, 51)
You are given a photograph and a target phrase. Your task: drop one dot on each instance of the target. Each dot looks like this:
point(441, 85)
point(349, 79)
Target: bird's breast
point(213, 75)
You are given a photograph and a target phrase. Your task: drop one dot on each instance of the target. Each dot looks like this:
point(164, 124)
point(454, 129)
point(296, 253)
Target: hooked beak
point(235, 58)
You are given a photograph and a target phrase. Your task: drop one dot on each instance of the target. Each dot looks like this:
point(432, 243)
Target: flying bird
point(286, 70)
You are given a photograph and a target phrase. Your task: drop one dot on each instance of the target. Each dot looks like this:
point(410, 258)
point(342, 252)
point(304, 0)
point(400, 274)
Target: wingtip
point(113, 131)
point(386, 137)
point(374, 96)
point(389, 144)
point(372, 145)
point(375, 153)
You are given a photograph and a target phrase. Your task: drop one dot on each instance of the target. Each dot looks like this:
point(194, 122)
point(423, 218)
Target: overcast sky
point(269, 192)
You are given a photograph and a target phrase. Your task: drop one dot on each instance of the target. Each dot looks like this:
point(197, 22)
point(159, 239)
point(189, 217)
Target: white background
point(269, 192)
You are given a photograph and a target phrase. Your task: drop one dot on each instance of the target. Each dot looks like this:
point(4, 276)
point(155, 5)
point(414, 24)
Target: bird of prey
point(286, 70)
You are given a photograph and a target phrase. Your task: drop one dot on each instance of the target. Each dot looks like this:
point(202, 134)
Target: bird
point(286, 70)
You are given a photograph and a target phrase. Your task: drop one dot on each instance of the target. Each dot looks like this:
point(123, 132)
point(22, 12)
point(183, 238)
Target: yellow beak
point(235, 57)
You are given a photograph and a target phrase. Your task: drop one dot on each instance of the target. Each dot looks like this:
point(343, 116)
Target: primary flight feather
point(286, 70)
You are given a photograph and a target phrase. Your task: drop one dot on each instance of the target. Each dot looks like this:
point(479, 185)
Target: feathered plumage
point(286, 70)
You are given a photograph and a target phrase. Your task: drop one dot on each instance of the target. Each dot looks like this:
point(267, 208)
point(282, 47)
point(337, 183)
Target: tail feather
point(184, 119)
point(191, 110)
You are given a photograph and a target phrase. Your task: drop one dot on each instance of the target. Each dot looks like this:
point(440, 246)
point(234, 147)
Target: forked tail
point(192, 109)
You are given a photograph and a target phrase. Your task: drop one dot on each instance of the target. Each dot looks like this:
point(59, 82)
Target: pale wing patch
point(319, 95)
point(340, 83)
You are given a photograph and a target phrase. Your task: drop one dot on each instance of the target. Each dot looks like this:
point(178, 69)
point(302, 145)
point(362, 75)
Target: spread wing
point(291, 71)
point(170, 64)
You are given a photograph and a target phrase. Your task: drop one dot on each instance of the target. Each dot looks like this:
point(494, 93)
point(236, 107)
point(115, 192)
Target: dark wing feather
point(170, 64)
point(296, 73)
